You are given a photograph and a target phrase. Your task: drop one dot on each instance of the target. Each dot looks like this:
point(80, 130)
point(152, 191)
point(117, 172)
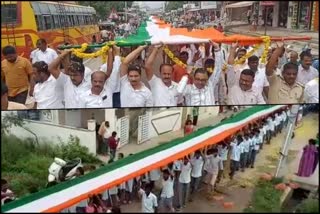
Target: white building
point(132, 125)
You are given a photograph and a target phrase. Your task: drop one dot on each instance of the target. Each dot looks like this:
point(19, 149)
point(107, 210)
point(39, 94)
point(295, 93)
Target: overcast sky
point(154, 4)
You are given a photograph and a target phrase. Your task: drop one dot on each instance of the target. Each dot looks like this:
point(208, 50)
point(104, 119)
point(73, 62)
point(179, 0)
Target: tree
point(174, 5)
point(11, 119)
point(104, 8)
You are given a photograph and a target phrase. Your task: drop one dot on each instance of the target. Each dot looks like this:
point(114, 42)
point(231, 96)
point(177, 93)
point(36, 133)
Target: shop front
point(304, 15)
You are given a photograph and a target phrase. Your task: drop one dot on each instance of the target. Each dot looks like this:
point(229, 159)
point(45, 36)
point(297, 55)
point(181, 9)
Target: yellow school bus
point(23, 22)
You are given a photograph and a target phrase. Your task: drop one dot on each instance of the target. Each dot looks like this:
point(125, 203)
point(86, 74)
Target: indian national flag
point(155, 31)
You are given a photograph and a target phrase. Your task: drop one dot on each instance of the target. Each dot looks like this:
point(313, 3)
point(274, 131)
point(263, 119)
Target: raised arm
point(54, 65)
point(114, 79)
point(232, 54)
point(132, 56)
point(150, 61)
point(214, 78)
point(110, 62)
point(272, 62)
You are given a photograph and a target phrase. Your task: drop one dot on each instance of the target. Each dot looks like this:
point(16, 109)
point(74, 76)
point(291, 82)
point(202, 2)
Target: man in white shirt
point(201, 92)
point(163, 89)
point(184, 182)
point(257, 139)
point(133, 92)
point(216, 165)
point(235, 155)
point(176, 167)
point(105, 132)
point(306, 72)
point(223, 153)
point(167, 191)
point(251, 147)
point(100, 95)
point(72, 84)
point(47, 92)
point(245, 151)
point(243, 92)
point(44, 53)
point(196, 174)
point(311, 91)
point(149, 202)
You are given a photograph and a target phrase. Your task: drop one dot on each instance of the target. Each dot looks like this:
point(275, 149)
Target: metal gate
point(143, 128)
point(123, 130)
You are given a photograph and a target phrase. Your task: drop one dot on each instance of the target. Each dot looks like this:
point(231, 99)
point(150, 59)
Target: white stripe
point(86, 186)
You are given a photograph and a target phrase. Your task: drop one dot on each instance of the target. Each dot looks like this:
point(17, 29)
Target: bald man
point(294, 57)
point(100, 94)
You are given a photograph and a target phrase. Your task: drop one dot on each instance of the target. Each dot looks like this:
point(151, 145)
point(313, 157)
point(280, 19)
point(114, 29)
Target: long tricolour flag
point(155, 31)
point(66, 194)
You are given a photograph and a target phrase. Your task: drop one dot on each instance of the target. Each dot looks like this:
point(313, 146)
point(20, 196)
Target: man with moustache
point(306, 72)
point(133, 92)
point(284, 88)
point(18, 75)
point(163, 89)
point(201, 92)
point(242, 93)
point(167, 191)
point(75, 83)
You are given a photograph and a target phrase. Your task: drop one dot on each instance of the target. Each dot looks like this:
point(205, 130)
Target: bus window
point(47, 22)
point(40, 22)
point(56, 21)
point(75, 19)
point(9, 14)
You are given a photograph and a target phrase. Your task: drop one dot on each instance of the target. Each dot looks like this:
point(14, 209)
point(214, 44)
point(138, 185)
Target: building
point(132, 125)
point(300, 15)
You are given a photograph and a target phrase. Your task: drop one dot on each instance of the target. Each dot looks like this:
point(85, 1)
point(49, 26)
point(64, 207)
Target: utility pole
point(285, 147)
point(126, 10)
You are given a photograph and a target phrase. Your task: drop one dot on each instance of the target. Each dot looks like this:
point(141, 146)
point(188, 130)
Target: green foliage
point(9, 120)
point(309, 205)
point(74, 150)
point(104, 8)
point(265, 198)
point(174, 5)
point(25, 164)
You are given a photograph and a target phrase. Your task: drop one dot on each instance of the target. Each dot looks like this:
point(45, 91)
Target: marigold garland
point(102, 52)
point(245, 57)
point(267, 42)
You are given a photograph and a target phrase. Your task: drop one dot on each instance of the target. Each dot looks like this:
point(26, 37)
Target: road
point(240, 189)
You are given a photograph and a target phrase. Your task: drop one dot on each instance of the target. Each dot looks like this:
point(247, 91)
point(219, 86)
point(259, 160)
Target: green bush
point(309, 205)
point(25, 164)
point(265, 198)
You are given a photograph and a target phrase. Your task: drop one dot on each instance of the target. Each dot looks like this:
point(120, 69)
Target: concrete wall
point(165, 121)
point(51, 132)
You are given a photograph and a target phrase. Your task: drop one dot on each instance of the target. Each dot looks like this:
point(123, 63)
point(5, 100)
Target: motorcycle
point(61, 170)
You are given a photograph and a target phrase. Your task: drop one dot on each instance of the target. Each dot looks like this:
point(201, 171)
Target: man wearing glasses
point(201, 92)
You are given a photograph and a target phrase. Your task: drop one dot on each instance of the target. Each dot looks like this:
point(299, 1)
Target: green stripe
point(129, 159)
point(142, 37)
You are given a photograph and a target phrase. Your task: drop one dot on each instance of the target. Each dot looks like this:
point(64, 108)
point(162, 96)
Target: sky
point(154, 4)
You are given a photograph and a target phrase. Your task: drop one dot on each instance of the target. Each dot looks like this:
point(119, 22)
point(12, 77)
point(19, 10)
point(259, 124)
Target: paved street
point(239, 189)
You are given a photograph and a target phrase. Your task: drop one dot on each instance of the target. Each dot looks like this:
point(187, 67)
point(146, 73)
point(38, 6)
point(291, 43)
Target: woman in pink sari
point(307, 160)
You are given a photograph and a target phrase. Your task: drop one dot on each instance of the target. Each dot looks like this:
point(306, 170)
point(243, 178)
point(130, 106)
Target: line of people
point(118, 83)
point(172, 187)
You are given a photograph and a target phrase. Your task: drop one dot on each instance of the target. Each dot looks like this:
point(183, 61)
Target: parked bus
point(23, 23)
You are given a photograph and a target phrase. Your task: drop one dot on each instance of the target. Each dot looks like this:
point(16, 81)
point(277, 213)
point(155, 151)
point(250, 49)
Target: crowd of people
point(172, 187)
point(209, 78)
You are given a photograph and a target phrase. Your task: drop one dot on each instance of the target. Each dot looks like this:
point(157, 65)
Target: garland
point(267, 42)
point(245, 57)
point(102, 52)
point(173, 57)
